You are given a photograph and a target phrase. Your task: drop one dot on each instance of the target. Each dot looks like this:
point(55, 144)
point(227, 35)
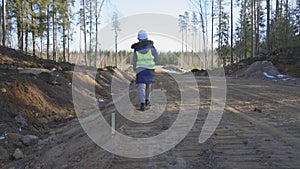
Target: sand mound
point(259, 69)
point(267, 71)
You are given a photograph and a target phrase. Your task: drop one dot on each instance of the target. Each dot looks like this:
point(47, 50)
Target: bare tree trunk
point(212, 34)
point(20, 27)
point(20, 35)
point(96, 46)
point(193, 35)
point(287, 11)
point(220, 19)
point(203, 33)
point(26, 31)
point(231, 32)
point(48, 32)
point(68, 39)
point(257, 20)
point(41, 35)
point(80, 50)
point(54, 30)
point(97, 23)
point(41, 52)
point(3, 23)
point(91, 27)
point(116, 28)
point(277, 13)
point(33, 29)
point(116, 47)
point(251, 31)
point(84, 33)
point(245, 30)
point(186, 43)
point(64, 38)
point(182, 46)
point(26, 39)
point(268, 28)
point(26, 26)
point(64, 25)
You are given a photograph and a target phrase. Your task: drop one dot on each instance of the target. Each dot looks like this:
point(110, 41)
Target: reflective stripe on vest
point(145, 60)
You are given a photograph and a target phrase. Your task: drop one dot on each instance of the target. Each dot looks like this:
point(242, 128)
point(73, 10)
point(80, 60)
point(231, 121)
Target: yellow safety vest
point(145, 60)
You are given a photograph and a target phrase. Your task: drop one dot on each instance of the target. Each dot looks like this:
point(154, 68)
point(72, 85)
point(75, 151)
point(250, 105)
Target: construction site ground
point(259, 127)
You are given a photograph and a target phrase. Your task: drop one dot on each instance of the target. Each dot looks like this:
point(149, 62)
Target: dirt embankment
point(36, 97)
point(286, 61)
point(282, 66)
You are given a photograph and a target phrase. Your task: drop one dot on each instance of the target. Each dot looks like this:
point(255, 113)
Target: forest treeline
point(261, 28)
point(46, 28)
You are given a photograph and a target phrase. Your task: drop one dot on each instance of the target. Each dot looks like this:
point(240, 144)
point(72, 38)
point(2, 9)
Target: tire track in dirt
point(247, 142)
point(243, 139)
point(278, 109)
point(171, 158)
point(258, 94)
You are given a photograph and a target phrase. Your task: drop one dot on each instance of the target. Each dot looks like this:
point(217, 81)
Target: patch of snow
point(2, 137)
point(169, 71)
point(268, 76)
point(3, 90)
point(101, 100)
point(281, 75)
point(20, 68)
point(183, 70)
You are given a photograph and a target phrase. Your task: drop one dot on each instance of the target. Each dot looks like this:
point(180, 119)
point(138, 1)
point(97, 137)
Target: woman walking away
point(144, 58)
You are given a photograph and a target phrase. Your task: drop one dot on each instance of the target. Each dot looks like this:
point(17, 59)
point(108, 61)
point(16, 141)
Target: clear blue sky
point(131, 7)
point(127, 8)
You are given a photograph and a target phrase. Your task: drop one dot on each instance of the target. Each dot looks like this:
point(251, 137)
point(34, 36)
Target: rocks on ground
point(22, 121)
point(18, 154)
point(14, 139)
point(3, 154)
point(29, 140)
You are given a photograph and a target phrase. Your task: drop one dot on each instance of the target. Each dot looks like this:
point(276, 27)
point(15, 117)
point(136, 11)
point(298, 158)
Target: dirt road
point(259, 129)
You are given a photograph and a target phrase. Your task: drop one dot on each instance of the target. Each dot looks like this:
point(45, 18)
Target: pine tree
point(3, 22)
point(182, 27)
point(223, 35)
point(97, 18)
point(82, 23)
point(116, 29)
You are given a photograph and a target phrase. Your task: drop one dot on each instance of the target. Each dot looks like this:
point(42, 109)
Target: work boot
point(147, 102)
point(142, 108)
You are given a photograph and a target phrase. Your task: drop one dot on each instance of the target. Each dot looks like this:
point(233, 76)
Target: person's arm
point(134, 59)
point(155, 54)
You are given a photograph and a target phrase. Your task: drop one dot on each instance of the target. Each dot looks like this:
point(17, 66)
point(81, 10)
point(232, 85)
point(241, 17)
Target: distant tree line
point(38, 21)
point(259, 29)
point(39, 24)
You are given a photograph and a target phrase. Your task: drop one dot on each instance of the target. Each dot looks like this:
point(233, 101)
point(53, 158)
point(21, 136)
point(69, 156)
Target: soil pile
point(198, 72)
point(36, 97)
point(286, 61)
point(259, 69)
